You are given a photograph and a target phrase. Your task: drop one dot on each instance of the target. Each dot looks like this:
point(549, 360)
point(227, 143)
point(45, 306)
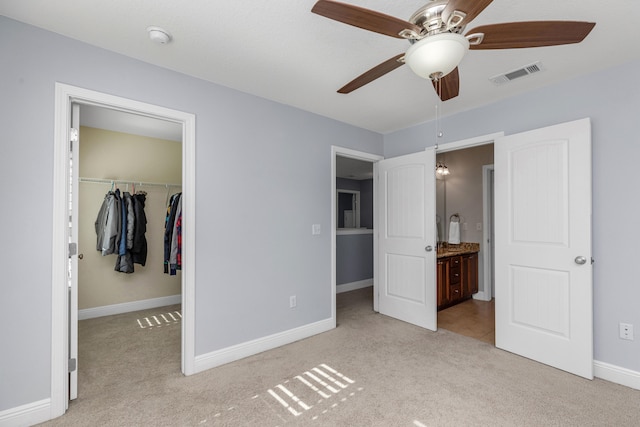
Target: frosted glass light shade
point(440, 53)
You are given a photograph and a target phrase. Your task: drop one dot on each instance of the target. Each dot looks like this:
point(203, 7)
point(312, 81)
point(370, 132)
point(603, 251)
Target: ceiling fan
point(437, 44)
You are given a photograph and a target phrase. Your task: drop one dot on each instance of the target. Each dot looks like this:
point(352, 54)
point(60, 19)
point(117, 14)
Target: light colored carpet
point(384, 373)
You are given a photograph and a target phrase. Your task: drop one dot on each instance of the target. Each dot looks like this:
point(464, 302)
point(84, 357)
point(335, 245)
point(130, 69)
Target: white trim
point(367, 157)
point(348, 231)
point(26, 415)
point(352, 286)
point(467, 143)
point(240, 351)
point(128, 307)
point(65, 95)
point(616, 374)
point(484, 293)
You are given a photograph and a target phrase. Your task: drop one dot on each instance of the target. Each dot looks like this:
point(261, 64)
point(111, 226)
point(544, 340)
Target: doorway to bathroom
point(464, 219)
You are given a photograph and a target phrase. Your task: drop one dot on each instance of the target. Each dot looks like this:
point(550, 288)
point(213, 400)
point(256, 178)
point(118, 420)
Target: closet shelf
point(124, 182)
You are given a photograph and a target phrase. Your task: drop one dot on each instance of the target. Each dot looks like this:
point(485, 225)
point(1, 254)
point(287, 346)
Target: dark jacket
point(139, 249)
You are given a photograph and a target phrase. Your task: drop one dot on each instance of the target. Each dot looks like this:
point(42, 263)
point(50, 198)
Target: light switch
point(479, 226)
point(315, 229)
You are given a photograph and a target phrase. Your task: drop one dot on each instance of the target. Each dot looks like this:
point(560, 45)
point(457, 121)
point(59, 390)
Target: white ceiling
point(118, 121)
point(353, 168)
point(279, 50)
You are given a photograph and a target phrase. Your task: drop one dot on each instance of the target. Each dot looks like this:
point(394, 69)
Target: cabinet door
point(441, 275)
point(469, 274)
point(454, 289)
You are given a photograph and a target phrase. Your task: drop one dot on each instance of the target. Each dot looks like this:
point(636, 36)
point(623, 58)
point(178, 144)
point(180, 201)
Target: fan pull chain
point(438, 107)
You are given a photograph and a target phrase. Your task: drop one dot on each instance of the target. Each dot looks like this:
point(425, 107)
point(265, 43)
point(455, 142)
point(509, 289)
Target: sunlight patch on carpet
point(159, 320)
point(313, 393)
point(320, 383)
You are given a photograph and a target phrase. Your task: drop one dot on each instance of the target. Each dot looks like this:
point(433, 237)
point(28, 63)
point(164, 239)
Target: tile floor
point(471, 318)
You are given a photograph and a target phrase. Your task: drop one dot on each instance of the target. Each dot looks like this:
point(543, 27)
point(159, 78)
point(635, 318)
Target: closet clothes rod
point(118, 181)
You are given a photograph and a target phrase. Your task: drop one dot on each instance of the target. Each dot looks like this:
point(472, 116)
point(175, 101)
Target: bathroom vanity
point(457, 273)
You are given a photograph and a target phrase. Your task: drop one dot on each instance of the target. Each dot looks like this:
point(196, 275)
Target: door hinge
point(72, 365)
point(73, 135)
point(73, 249)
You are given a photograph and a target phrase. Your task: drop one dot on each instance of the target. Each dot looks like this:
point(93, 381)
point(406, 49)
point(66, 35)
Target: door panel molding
point(544, 299)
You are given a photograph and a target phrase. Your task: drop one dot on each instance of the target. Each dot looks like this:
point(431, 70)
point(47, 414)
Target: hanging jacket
point(139, 249)
point(124, 263)
point(169, 226)
point(131, 219)
point(122, 239)
point(107, 224)
point(176, 239)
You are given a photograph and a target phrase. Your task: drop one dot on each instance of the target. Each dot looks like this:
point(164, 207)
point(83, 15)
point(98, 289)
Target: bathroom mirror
point(348, 209)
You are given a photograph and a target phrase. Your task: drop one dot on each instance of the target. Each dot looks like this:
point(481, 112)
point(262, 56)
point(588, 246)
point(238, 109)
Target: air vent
point(516, 74)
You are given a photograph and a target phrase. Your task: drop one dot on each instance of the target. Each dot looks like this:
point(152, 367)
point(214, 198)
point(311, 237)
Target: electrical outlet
point(626, 331)
point(292, 301)
point(315, 229)
point(478, 226)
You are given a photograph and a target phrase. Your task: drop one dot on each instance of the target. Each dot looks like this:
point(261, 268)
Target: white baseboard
point(26, 415)
point(127, 307)
point(616, 374)
point(482, 296)
point(240, 351)
point(346, 287)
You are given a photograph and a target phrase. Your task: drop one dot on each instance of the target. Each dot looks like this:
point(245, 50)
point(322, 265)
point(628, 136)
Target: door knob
point(428, 248)
point(580, 260)
point(80, 256)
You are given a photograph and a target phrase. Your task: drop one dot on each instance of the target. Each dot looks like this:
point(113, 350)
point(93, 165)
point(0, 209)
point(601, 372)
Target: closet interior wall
point(118, 156)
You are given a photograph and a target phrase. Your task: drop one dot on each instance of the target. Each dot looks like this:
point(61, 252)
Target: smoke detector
point(159, 35)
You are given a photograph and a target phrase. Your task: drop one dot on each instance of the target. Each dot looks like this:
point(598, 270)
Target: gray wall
point(354, 252)
point(246, 267)
point(463, 190)
point(354, 258)
point(611, 98)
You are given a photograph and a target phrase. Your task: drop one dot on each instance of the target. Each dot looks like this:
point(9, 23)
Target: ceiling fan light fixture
point(437, 55)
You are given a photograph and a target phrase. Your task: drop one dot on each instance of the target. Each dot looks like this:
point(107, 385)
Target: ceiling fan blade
point(514, 35)
point(363, 18)
point(471, 8)
point(448, 86)
point(374, 73)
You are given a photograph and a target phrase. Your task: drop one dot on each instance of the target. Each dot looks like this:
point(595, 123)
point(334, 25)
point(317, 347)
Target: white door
point(406, 242)
point(74, 157)
point(543, 246)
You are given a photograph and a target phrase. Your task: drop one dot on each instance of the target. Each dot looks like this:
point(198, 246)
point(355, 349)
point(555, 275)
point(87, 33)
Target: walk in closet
point(110, 161)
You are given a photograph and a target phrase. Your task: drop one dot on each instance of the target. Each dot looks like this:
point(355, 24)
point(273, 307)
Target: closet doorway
point(137, 160)
point(70, 100)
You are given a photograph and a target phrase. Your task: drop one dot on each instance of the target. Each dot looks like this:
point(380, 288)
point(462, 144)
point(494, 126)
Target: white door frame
point(459, 145)
point(367, 157)
point(486, 291)
point(65, 95)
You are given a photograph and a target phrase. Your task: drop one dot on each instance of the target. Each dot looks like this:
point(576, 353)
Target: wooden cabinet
point(457, 278)
point(470, 274)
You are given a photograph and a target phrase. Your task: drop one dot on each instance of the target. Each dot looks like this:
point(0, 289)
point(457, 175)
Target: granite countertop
point(461, 249)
